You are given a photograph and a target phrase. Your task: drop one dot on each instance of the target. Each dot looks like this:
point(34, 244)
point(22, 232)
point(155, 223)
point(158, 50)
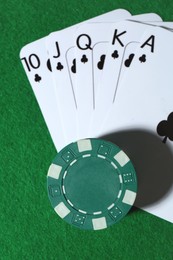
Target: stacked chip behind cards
point(107, 75)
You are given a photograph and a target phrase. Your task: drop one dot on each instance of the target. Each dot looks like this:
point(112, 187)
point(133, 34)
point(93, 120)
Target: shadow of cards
point(153, 161)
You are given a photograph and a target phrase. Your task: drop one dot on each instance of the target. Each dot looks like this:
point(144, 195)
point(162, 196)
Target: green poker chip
point(91, 184)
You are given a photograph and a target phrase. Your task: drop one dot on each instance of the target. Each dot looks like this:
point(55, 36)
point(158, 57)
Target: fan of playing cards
point(110, 73)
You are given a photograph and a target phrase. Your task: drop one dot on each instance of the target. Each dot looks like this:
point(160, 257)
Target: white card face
point(35, 61)
point(99, 56)
point(87, 37)
point(143, 116)
point(38, 69)
point(100, 49)
point(165, 25)
point(71, 65)
point(150, 17)
point(129, 54)
point(125, 37)
point(91, 47)
point(60, 47)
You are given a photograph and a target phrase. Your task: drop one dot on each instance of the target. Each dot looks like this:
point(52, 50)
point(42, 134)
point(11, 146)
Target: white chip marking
point(54, 171)
point(82, 211)
point(62, 210)
point(86, 155)
point(70, 203)
point(129, 197)
point(84, 145)
point(63, 188)
point(113, 164)
point(121, 158)
point(101, 156)
point(65, 173)
point(73, 162)
point(119, 194)
point(99, 223)
point(120, 177)
point(111, 206)
point(97, 213)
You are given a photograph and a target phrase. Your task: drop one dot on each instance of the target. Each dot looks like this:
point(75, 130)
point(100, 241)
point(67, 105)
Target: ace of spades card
point(144, 104)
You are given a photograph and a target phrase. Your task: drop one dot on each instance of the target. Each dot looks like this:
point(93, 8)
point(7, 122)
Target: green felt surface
point(29, 228)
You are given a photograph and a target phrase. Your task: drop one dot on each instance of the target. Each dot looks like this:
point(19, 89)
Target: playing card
point(72, 52)
point(141, 120)
point(125, 38)
point(99, 50)
point(91, 47)
point(126, 60)
point(71, 66)
point(60, 46)
point(38, 70)
point(87, 37)
point(164, 25)
point(101, 47)
point(129, 54)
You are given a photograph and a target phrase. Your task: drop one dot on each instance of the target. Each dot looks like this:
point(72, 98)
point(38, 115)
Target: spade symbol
point(59, 66)
point(165, 128)
point(49, 65)
point(100, 64)
point(115, 54)
point(142, 58)
point(37, 78)
point(73, 67)
point(84, 59)
point(129, 60)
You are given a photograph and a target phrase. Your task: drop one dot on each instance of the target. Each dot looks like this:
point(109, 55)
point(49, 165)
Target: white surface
point(87, 76)
point(146, 95)
point(63, 83)
point(121, 158)
point(54, 171)
point(44, 90)
point(99, 223)
point(132, 32)
point(84, 145)
point(62, 210)
point(129, 197)
point(112, 75)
